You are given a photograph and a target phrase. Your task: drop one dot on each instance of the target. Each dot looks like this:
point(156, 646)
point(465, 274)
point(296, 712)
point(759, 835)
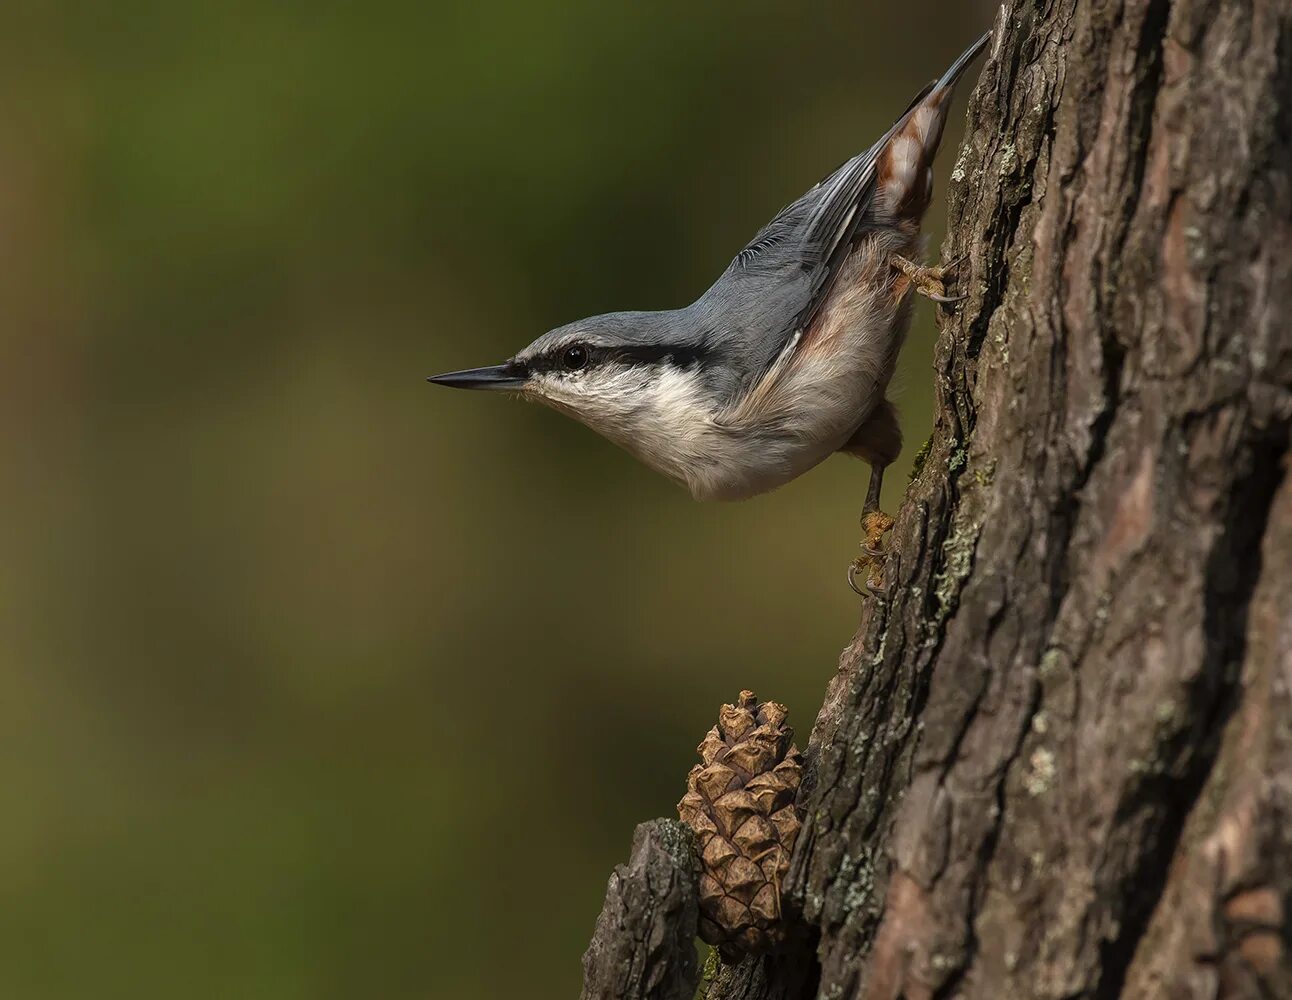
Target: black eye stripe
point(590, 356)
point(558, 359)
point(681, 356)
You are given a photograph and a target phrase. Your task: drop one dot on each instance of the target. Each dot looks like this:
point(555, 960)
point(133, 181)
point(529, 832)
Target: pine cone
point(740, 803)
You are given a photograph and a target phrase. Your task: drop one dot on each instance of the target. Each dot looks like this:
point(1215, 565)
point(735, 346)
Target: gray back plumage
point(776, 285)
point(773, 288)
point(768, 293)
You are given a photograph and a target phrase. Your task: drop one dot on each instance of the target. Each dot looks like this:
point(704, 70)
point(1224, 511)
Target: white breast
point(816, 395)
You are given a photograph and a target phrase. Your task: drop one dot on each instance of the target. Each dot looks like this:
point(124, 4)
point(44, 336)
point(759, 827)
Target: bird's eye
point(575, 358)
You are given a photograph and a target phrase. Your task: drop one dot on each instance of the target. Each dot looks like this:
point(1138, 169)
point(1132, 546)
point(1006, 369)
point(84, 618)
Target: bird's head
point(620, 374)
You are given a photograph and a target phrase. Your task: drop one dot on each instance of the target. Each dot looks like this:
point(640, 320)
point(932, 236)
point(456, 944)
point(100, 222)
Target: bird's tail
point(904, 173)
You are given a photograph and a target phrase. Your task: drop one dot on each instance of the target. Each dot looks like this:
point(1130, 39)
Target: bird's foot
point(928, 281)
point(870, 564)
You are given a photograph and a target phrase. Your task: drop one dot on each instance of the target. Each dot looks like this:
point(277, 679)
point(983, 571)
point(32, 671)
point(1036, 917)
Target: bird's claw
point(929, 281)
point(875, 524)
point(856, 567)
point(871, 589)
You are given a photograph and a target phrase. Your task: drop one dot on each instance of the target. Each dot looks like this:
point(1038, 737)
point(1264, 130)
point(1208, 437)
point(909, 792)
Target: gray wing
point(776, 285)
point(830, 218)
point(815, 234)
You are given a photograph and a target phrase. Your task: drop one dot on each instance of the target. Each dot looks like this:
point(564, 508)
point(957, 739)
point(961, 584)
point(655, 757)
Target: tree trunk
point(1059, 762)
point(644, 945)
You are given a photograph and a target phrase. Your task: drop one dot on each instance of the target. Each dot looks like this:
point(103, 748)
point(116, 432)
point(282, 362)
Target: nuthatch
point(787, 358)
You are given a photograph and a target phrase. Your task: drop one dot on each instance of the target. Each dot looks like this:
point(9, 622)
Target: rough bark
point(644, 945)
point(1059, 762)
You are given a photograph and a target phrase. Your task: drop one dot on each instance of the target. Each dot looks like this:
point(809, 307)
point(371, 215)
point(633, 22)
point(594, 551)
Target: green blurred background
point(315, 680)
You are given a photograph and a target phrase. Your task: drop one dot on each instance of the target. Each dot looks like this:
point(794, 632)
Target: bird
point(787, 358)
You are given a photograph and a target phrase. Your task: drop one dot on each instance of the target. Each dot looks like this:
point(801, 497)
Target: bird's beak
point(498, 377)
